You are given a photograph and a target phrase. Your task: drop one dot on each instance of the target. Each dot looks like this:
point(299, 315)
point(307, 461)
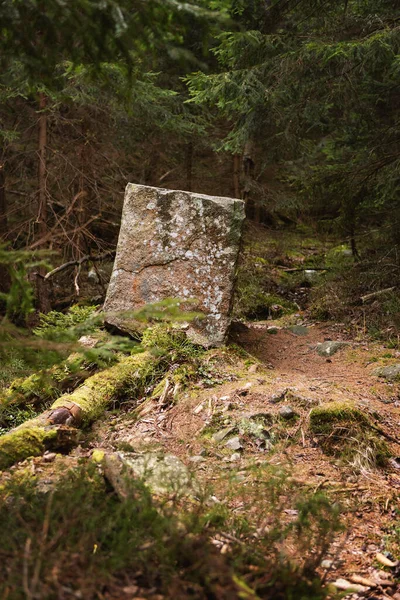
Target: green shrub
point(68, 326)
point(78, 536)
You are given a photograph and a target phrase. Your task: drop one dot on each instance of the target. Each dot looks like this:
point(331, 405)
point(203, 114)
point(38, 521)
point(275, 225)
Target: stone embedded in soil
point(175, 244)
point(330, 348)
point(234, 443)
point(220, 435)
point(235, 456)
point(197, 459)
point(162, 473)
point(390, 373)
point(327, 564)
point(279, 396)
point(299, 330)
point(286, 412)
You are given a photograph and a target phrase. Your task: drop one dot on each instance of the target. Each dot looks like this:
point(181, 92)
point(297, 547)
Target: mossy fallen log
point(47, 384)
point(57, 427)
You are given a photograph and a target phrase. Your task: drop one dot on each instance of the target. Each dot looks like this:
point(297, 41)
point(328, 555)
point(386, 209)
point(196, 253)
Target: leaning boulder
point(175, 244)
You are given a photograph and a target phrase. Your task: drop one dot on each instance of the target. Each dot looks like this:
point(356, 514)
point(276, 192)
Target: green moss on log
point(126, 379)
point(24, 441)
point(47, 384)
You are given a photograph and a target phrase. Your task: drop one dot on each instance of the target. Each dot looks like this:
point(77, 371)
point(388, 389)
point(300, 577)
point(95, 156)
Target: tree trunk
point(45, 385)
point(42, 171)
point(236, 175)
point(3, 205)
point(57, 427)
point(5, 280)
point(189, 166)
point(248, 168)
point(41, 286)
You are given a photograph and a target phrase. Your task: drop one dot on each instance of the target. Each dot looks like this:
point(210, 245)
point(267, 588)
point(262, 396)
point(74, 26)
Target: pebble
point(286, 412)
point(220, 435)
point(197, 459)
point(278, 397)
point(49, 457)
point(234, 443)
point(235, 456)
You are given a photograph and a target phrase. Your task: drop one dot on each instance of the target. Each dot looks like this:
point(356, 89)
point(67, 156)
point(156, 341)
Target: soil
point(272, 364)
point(255, 371)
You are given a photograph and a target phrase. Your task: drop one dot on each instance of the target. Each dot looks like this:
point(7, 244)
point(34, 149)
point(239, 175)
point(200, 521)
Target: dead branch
point(79, 262)
point(374, 295)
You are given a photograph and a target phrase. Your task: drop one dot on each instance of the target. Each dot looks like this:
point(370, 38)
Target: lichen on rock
point(176, 244)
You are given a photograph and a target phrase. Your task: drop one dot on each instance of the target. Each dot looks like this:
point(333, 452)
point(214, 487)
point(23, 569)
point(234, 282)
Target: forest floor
point(262, 373)
point(270, 374)
point(275, 364)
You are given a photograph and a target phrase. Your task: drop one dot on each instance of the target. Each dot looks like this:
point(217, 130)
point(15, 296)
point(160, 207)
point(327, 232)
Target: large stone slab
point(175, 244)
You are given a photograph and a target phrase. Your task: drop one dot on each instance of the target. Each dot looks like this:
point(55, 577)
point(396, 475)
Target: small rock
point(244, 390)
point(48, 457)
point(298, 330)
point(395, 462)
point(198, 409)
point(278, 397)
point(197, 459)
point(88, 341)
point(220, 435)
point(235, 456)
point(390, 373)
point(329, 348)
point(163, 473)
point(327, 564)
point(286, 412)
point(224, 398)
point(253, 368)
point(234, 443)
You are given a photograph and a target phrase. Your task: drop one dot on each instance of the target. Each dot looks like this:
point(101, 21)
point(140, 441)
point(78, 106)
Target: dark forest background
point(292, 105)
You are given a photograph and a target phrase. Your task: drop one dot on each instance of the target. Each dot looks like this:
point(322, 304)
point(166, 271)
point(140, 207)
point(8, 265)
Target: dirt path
point(274, 363)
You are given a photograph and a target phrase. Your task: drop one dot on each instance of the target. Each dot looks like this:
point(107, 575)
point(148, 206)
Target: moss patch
point(23, 442)
point(127, 378)
point(345, 431)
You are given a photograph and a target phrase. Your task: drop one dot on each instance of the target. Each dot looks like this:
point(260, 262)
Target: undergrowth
point(68, 326)
point(344, 431)
point(79, 540)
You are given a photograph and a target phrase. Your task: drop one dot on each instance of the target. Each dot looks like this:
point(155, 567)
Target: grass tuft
point(343, 430)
